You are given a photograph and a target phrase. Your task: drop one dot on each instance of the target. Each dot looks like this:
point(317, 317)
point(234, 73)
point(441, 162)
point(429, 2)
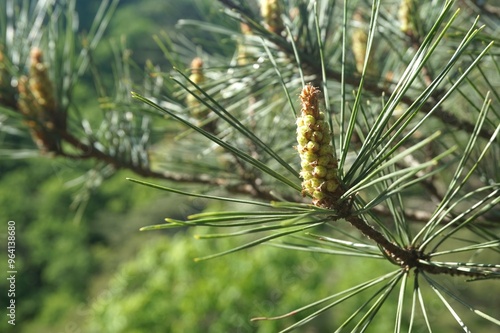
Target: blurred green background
point(89, 269)
point(67, 255)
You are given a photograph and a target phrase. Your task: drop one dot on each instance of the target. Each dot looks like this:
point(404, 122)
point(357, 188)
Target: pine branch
point(312, 67)
point(442, 114)
point(409, 258)
point(250, 184)
point(89, 151)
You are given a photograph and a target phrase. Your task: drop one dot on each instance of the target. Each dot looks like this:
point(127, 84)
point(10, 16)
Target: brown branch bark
point(407, 258)
point(249, 186)
point(89, 151)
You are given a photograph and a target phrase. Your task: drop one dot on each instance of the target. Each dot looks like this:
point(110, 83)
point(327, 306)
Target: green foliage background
point(63, 258)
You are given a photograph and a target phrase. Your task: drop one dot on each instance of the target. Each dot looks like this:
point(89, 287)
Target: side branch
point(408, 258)
point(392, 250)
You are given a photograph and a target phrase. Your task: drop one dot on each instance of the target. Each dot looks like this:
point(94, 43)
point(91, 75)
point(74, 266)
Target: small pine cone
point(37, 103)
point(405, 12)
point(26, 103)
point(271, 11)
point(197, 109)
point(197, 71)
point(359, 40)
point(33, 115)
point(40, 84)
point(359, 44)
point(42, 90)
point(245, 54)
point(319, 169)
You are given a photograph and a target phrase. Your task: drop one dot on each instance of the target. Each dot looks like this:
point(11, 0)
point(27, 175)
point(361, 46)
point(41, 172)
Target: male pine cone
point(319, 168)
point(38, 105)
point(197, 109)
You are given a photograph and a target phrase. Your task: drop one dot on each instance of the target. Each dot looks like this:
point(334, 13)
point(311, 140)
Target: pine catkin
point(405, 12)
point(42, 90)
point(26, 102)
point(37, 103)
point(271, 11)
point(319, 168)
point(245, 53)
point(197, 109)
point(33, 114)
point(40, 84)
point(359, 41)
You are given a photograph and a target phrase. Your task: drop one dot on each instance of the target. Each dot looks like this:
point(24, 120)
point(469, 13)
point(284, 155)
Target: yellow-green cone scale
point(319, 168)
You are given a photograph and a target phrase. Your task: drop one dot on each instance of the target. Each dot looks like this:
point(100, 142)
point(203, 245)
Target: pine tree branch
point(408, 258)
point(442, 114)
point(251, 184)
point(89, 151)
point(391, 249)
point(313, 67)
